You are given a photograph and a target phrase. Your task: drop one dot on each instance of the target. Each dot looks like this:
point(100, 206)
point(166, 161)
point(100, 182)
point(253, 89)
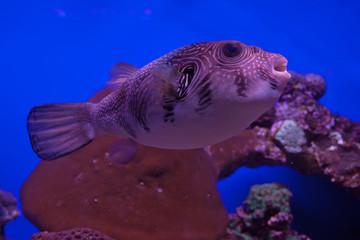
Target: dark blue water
point(61, 51)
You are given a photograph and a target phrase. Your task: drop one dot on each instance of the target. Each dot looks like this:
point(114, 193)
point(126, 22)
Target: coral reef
point(73, 234)
point(149, 193)
point(299, 133)
point(8, 211)
point(265, 215)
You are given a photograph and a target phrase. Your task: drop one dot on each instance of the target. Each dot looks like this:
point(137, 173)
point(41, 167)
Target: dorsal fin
point(119, 73)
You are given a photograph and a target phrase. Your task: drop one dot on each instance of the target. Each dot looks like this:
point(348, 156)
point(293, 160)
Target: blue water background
point(61, 51)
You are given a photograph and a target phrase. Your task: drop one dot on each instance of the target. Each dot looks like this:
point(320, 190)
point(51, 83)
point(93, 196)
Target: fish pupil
point(230, 50)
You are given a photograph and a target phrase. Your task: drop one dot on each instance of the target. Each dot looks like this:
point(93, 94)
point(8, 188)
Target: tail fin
point(59, 129)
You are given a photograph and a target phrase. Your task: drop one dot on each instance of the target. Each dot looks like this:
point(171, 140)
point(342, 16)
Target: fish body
point(194, 96)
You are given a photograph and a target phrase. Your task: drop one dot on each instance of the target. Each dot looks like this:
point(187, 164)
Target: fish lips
point(279, 71)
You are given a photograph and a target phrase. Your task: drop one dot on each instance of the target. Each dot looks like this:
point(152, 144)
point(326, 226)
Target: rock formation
point(265, 215)
point(148, 193)
point(299, 133)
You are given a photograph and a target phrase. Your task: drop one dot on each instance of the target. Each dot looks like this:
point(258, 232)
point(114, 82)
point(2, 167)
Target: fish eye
point(231, 50)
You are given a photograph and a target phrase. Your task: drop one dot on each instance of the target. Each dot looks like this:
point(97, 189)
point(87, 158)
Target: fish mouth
point(279, 68)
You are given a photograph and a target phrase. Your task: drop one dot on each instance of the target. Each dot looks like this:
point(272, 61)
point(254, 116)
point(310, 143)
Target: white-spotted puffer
point(194, 96)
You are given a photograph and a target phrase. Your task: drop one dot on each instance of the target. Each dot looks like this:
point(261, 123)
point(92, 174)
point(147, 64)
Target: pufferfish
point(194, 96)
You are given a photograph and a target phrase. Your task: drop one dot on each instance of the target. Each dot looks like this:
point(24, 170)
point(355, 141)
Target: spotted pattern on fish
point(241, 84)
point(194, 96)
point(266, 77)
point(138, 105)
point(205, 60)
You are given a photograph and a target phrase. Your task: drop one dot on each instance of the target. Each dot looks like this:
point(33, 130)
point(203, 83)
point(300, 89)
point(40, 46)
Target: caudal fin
point(59, 129)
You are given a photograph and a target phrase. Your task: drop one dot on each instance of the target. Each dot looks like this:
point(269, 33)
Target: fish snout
point(279, 68)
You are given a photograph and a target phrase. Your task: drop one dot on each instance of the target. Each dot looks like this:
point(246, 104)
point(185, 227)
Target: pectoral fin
point(169, 78)
point(167, 72)
point(122, 151)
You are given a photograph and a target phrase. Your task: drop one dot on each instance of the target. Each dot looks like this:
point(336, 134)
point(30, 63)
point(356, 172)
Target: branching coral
point(73, 234)
point(265, 215)
point(8, 211)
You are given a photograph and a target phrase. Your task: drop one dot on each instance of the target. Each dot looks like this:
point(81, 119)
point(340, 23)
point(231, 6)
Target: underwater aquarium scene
point(180, 120)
